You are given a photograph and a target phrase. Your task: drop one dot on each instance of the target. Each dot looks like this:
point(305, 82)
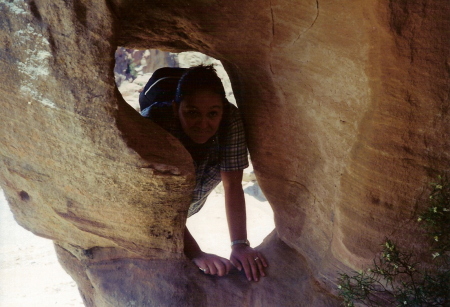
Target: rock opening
point(132, 70)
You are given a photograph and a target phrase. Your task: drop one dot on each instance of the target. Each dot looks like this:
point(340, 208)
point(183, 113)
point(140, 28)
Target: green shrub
point(398, 278)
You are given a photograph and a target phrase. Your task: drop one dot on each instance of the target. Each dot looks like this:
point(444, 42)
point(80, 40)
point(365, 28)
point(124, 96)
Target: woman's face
point(200, 115)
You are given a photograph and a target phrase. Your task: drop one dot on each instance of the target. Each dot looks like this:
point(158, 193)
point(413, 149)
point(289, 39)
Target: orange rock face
point(346, 111)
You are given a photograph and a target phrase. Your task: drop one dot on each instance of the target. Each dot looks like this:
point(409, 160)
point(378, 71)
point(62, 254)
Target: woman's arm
point(242, 255)
point(191, 248)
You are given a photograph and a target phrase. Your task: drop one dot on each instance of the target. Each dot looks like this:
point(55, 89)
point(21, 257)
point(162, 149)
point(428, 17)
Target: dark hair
point(199, 78)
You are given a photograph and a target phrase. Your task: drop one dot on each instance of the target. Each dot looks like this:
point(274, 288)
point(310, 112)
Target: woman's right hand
point(212, 264)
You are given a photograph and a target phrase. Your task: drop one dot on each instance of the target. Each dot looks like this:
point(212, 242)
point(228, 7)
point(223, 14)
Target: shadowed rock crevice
point(328, 114)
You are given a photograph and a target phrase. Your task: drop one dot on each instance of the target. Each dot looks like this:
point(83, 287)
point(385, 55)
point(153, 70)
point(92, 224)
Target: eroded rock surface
point(345, 106)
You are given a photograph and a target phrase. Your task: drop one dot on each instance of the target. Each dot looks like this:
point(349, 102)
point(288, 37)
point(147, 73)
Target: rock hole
point(135, 67)
point(209, 227)
point(24, 196)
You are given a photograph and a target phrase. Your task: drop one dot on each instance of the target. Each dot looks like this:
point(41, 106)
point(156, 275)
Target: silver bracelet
point(240, 242)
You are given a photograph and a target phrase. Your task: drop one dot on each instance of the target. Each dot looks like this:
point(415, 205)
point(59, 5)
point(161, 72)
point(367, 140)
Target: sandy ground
point(30, 275)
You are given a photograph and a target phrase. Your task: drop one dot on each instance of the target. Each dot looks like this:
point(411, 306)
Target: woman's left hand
point(247, 258)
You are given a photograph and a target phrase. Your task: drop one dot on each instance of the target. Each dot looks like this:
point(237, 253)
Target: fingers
point(247, 268)
point(213, 265)
point(219, 267)
point(223, 266)
point(251, 269)
point(263, 260)
point(253, 265)
point(255, 268)
point(236, 263)
point(251, 261)
point(228, 266)
point(259, 262)
point(262, 263)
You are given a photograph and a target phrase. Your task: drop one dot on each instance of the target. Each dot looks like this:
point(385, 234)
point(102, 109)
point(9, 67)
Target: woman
point(212, 131)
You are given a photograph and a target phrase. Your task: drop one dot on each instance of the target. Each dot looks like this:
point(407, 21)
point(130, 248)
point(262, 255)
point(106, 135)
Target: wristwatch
point(240, 242)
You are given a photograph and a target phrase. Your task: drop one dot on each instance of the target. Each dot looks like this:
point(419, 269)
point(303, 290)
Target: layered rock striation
point(345, 106)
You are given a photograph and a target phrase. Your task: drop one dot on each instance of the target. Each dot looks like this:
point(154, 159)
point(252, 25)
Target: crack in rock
point(312, 24)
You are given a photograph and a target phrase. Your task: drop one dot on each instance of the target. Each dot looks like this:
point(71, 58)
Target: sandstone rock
point(121, 280)
point(73, 168)
point(345, 106)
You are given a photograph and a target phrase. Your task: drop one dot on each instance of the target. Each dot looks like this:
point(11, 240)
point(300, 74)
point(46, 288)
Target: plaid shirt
point(227, 151)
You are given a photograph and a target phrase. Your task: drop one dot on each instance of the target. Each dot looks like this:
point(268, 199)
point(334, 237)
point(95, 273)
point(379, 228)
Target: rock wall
point(345, 106)
point(71, 149)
